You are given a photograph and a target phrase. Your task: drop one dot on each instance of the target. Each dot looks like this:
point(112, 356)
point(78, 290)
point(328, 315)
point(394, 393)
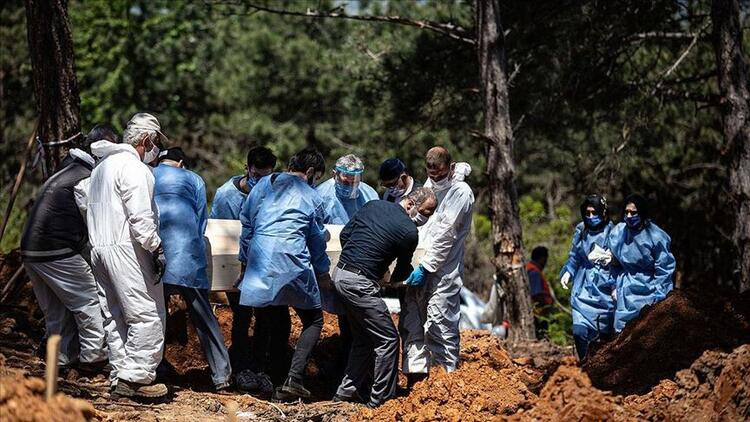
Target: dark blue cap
point(391, 169)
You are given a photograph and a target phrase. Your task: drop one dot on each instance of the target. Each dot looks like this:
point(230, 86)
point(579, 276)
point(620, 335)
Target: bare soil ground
point(496, 381)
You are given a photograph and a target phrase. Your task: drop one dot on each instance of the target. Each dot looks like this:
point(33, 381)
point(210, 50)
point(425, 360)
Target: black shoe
point(291, 390)
point(347, 399)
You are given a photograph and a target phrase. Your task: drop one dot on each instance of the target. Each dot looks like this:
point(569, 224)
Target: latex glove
point(565, 279)
point(324, 281)
point(614, 295)
point(600, 256)
point(416, 278)
point(160, 262)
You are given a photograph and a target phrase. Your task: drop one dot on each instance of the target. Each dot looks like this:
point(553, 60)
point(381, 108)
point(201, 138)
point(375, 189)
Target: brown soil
point(529, 381)
point(22, 399)
point(665, 338)
point(487, 385)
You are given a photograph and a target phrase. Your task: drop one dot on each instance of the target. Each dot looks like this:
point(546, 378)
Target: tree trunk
point(55, 84)
point(735, 113)
point(506, 224)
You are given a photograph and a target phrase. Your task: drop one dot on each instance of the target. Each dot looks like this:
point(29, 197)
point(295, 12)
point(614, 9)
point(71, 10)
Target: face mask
point(441, 185)
point(419, 219)
point(151, 155)
point(633, 221)
point(593, 221)
point(251, 182)
point(345, 191)
point(395, 192)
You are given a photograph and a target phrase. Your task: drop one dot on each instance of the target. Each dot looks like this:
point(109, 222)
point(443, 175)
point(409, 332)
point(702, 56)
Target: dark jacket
point(55, 228)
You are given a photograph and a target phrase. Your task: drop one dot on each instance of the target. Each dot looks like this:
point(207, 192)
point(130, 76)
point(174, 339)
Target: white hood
point(102, 149)
point(81, 155)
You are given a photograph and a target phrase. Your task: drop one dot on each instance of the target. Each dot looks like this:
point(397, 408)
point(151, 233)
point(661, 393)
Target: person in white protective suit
point(127, 256)
point(430, 311)
point(55, 255)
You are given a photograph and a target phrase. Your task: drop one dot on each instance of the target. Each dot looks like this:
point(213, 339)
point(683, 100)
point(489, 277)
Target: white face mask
point(151, 154)
point(441, 185)
point(395, 192)
point(419, 219)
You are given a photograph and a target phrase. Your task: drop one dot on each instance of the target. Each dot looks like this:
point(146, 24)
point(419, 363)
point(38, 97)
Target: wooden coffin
point(222, 248)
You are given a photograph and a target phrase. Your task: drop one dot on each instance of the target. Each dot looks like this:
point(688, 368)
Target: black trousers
point(239, 352)
point(274, 326)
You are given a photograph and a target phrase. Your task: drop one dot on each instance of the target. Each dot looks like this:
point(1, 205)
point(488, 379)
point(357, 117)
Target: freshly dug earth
point(488, 385)
point(667, 337)
point(22, 399)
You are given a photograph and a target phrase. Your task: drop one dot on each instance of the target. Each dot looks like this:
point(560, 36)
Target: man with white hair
point(127, 256)
point(345, 193)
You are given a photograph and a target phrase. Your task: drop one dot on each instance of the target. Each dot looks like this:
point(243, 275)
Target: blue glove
point(417, 277)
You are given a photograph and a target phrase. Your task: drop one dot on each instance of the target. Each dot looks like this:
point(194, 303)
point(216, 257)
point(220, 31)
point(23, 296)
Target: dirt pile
point(488, 385)
point(22, 399)
point(715, 387)
point(665, 338)
point(569, 395)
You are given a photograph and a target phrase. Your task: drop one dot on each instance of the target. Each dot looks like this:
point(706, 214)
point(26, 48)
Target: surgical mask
point(593, 221)
point(345, 191)
point(633, 221)
point(419, 219)
point(442, 185)
point(395, 192)
point(251, 182)
point(151, 154)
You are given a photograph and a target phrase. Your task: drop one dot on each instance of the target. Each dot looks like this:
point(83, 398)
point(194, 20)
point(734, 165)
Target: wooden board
point(222, 248)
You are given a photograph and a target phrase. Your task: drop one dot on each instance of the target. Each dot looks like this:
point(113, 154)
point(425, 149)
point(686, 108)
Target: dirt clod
point(22, 399)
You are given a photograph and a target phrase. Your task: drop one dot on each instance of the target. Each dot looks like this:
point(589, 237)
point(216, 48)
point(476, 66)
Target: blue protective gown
point(647, 266)
point(591, 297)
point(283, 243)
point(228, 201)
point(340, 211)
point(180, 196)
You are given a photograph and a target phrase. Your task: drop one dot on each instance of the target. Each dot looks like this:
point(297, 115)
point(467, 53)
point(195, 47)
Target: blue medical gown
point(180, 196)
point(647, 267)
point(340, 211)
point(283, 243)
point(591, 297)
point(228, 201)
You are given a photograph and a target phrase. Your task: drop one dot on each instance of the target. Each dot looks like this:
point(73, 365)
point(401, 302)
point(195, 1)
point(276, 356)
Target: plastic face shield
point(347, 182)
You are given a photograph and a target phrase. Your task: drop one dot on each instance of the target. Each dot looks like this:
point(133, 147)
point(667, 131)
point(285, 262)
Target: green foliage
point(592, 108)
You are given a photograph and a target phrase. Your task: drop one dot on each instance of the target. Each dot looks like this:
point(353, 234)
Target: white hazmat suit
point(123, 230)
point(430, 313)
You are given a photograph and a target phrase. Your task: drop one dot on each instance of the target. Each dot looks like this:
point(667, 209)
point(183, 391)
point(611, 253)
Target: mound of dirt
point(569, 395)
point(487, 385)
point(715, 387)
point(22, 399)
point(665, 338)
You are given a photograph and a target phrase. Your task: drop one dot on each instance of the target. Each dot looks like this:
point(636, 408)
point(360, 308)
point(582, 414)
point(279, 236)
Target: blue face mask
point(345, 191)
point(593, 221)
point(251, 182)
point(633, 221)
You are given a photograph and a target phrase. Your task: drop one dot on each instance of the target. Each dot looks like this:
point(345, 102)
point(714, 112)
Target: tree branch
point(448, 29)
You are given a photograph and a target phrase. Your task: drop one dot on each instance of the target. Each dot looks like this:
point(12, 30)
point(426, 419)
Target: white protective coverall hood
point(123, 230)
point(431, 313)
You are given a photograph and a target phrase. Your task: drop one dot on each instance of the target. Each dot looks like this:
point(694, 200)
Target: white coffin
point(222, 248)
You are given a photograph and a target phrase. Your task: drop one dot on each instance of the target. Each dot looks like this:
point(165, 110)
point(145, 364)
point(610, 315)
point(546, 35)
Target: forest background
point(608, 97)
